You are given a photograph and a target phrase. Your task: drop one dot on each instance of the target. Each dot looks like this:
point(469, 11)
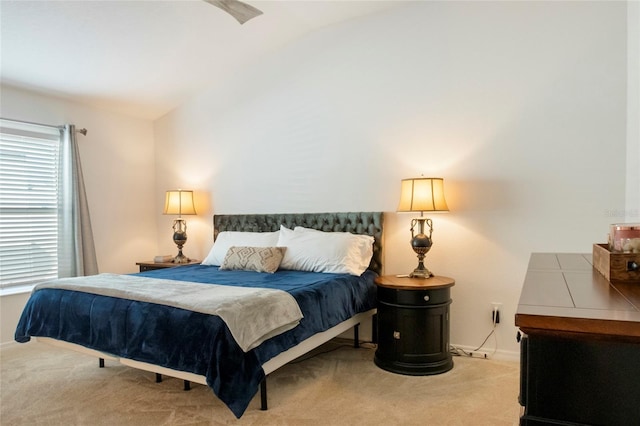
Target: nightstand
point(151, 265)
point(413, 325)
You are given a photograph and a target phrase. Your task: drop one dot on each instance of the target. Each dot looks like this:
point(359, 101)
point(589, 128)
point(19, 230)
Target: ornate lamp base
point(421, 273)
point(421, 244)
point(180, 238)
point(180, 258)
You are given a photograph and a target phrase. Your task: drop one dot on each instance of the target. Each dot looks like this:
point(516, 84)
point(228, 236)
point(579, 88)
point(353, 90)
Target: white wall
point(119, 170)
point(632, 213)
point(520, 106)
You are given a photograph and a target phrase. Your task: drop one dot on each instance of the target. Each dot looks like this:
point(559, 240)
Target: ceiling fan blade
point(239, 10)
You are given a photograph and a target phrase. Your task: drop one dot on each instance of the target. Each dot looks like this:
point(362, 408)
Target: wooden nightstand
point(151, 265)
point(413, 325)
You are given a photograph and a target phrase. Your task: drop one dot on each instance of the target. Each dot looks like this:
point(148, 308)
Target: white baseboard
point(499, 355)
point(8, 344)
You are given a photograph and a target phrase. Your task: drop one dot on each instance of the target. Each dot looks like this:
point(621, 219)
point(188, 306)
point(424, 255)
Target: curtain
point(76, 251)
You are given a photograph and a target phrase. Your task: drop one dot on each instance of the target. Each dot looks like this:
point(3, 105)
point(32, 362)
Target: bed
point(201, 347)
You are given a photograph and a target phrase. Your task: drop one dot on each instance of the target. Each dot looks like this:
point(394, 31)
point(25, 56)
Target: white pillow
point(228, 239)
point(318, 251)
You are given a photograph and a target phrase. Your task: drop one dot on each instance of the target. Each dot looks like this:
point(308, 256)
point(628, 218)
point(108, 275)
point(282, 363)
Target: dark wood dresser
point(580, 348)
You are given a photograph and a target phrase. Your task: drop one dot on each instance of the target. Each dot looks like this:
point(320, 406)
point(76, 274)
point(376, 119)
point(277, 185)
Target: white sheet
point(253, 315)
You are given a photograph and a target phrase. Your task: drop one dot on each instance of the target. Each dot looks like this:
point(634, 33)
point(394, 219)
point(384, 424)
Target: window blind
point(29, 157)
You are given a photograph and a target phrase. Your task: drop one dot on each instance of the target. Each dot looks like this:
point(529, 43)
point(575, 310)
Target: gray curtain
point(76, 251)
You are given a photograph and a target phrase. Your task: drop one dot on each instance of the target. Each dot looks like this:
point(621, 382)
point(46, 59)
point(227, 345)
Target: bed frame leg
point(158, 378)
point(187, 385)
point(356, 336)
point(263, 394)
point(101, 362)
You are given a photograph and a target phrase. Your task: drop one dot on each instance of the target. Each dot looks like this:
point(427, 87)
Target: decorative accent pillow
point(331, 252)
point(259, 259)
point(227, 239)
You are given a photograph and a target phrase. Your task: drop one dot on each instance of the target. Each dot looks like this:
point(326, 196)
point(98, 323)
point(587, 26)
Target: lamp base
point(180, 238)
point(421, 273)
point(421, 244)
point(180, 258)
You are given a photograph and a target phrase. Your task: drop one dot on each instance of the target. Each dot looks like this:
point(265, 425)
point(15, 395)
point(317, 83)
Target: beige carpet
point(42, 385)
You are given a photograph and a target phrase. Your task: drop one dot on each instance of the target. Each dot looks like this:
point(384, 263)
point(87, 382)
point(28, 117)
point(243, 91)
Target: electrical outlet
point(496, 307)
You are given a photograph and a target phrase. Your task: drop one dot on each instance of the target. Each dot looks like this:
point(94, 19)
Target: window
point(29, 156)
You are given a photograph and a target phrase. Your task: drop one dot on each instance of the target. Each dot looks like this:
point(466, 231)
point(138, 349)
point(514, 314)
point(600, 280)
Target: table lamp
point(179, 202)
point(422, 195)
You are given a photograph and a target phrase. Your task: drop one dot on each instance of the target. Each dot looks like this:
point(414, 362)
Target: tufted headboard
point(367, 223)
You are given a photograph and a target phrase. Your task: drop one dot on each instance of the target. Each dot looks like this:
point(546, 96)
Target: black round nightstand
point(413, 325)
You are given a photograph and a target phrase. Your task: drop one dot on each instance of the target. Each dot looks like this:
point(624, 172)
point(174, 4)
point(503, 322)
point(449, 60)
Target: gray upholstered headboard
point(367, 223)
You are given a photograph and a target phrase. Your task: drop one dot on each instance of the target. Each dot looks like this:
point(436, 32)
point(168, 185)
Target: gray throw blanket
point(253, 315)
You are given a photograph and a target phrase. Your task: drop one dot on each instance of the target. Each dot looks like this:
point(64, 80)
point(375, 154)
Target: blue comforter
point(189, 341)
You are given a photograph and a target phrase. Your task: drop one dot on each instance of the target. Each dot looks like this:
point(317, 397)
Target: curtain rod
point(83, 130)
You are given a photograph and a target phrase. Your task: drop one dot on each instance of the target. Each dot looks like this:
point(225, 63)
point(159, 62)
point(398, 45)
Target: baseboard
point(500, 354)
point(5, 345)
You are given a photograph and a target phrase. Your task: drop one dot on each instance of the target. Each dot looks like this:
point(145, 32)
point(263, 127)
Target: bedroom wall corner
point(179, 166)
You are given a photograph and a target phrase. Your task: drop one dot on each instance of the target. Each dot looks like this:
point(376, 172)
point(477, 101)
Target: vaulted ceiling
point(145, 57)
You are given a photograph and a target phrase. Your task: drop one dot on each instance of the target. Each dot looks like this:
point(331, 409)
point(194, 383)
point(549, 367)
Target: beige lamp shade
point(179, 202)
point(422, 195)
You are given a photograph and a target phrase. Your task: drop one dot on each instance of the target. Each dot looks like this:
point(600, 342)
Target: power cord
point(461, 352)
